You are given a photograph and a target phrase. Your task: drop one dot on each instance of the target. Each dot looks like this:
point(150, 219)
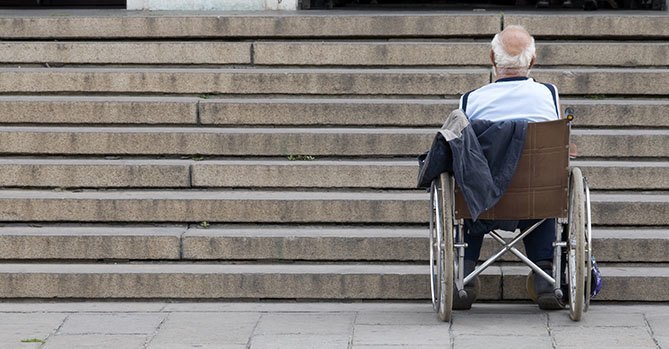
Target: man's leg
point(539, 249)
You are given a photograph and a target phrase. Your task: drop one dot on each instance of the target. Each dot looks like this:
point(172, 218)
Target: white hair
point(519, 62)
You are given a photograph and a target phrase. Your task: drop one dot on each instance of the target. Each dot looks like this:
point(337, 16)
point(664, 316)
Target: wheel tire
point(576, 263)
point(446, 220)
point(435, 241)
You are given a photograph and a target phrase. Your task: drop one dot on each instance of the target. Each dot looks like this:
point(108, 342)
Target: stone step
point(311, 24)
point(326, 53)
point(243, 81)
point(606, 81)
point(279, 243)
point(646, 25)
point(370, 142)
point(445, 53)
point(386, 244)
point(241, 206)
point(136, 52)
point(396, 174)
point(273, 173)
point(98, 110)
point(94, 173)
point(323, 81)
point(296, 281)
point(91, 242)
point(411, 112)
point(295, 111)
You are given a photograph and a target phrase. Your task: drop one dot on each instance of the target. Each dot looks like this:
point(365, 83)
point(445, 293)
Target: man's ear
point(534, 60)
point(492, 57)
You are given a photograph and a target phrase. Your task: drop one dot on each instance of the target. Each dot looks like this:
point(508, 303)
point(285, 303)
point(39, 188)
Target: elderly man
point(514, 95)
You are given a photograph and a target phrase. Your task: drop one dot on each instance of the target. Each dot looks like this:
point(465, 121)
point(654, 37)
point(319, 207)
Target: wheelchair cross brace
point(506, 247)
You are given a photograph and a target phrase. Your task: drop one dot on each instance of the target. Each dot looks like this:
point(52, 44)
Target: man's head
point(513, 52)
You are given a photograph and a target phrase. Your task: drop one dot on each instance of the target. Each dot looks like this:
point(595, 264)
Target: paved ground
point(325, 325)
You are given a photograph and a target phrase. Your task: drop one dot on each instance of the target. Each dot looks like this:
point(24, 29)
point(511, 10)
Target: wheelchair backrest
point(538, 189)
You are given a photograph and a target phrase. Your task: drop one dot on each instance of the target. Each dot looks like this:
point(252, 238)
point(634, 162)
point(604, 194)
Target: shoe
point(472, 289)
point(546, 298)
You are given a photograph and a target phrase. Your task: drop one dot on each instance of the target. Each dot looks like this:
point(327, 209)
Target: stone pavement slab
point(133, 324)
point(95, 341)
point(370, 325)
point(202, 330)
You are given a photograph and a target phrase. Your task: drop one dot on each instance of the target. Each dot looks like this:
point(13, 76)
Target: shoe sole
point(549, 302)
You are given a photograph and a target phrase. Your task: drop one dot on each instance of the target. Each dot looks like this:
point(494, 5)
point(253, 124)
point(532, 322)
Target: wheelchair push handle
point(569, 114)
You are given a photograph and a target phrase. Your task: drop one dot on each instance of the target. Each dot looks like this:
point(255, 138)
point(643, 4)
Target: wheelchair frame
point(573, 241)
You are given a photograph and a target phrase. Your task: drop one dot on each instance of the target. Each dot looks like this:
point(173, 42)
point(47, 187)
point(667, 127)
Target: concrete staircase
point(272, 156)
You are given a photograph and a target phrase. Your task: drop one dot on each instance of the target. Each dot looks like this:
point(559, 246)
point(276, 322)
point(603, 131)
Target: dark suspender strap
point(554, 93)
point(464, 101)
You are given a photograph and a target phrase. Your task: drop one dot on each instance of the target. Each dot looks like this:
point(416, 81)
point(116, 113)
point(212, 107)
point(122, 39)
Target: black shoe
point(546, 298)
point(472, 289)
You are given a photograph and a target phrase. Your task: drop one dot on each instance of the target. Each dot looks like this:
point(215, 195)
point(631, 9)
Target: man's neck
point(505, 73)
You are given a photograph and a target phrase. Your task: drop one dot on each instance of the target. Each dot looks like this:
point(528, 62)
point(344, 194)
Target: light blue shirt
point(511, 99)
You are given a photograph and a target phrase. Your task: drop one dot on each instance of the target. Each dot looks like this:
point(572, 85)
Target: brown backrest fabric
point(539, 186)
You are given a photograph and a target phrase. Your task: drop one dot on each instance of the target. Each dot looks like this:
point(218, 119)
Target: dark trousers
point(538, 243)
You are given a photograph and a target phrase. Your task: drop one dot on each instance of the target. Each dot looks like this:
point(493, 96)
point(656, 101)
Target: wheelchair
point(543, 187)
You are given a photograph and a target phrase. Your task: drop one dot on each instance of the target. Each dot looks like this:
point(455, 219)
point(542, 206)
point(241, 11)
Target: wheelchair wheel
point(588, 247)
point(441, 246)
point(576, 263)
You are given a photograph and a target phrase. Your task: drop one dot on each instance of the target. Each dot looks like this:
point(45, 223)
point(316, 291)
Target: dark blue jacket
point(482, 155)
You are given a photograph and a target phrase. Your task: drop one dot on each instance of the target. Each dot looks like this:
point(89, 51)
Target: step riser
point(337, 82)
point(275, 211)
point(440, 25)
point(210, 245)
point(592, 26)
point(268, 142)
point(447, 54)
point(352, 112)
point(325, 53)
point(243, 81)
point(102, 110)
point(95, 176)
point(292, 286)
point(126, 52)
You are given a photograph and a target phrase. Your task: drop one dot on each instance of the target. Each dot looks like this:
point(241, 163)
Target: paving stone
point(391, 318)
point(80, 307)
point(205, 330)
point(282, 324)
point(502, 341)
point(659, 323)
point(405, 335)
point(596, 318)
point(132, 324)
point(305, 81)
point(495, 324)
point(142, 24)
point(602, 337)
point(98, 110)
point(302, 307)
point(17, 327)
point(300, 341)
point(101, 52)
point(95, 342)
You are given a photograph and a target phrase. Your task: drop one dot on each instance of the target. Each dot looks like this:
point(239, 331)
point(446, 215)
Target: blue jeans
point(538, 243)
